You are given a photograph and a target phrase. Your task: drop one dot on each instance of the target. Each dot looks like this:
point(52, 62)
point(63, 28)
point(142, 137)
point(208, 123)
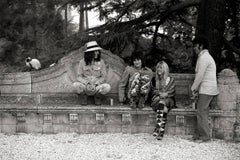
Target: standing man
point(205, 84)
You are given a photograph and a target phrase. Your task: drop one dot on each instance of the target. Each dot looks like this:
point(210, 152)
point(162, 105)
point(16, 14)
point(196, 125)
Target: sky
point(92, 20)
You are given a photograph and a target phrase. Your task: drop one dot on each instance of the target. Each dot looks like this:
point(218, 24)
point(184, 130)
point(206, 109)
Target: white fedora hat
point(92, 46)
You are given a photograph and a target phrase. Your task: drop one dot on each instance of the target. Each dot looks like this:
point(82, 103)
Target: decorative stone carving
point(100, 118)
point(59, 79)
point(21, 117)
point(126, 118)
point(180, 120)
point(115, 66)
point(73, 117)
point(47, 118)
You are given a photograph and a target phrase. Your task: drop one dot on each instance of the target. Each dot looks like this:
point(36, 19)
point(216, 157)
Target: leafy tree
point(162, 29)
point(33, 26)
point(129, 20)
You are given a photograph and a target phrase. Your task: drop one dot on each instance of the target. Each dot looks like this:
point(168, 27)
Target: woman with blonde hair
point(163, 92)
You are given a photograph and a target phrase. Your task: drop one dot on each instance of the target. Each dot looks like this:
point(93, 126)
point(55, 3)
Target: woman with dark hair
point(135, 82)
point(163, 92)
point(91, 75)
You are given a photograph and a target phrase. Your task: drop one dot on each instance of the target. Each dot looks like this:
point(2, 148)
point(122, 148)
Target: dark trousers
point(203, 128)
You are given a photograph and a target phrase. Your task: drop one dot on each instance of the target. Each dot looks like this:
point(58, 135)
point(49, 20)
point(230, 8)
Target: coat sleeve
point(80, 77)
point(124, 82)
point(171, 88)
point(200, 71)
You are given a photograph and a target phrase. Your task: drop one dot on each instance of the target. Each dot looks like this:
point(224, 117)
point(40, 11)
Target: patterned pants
point(139, 87)
point(102, 88)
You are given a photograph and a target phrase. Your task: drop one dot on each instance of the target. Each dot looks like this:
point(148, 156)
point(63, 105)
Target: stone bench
point(44, 102)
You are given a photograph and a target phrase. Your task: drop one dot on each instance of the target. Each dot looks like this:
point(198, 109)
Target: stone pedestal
point(228, 85)
point(237, 123)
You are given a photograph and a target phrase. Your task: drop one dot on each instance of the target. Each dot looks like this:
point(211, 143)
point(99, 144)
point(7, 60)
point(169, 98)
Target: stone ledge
point(16, 118)
point(69, 108)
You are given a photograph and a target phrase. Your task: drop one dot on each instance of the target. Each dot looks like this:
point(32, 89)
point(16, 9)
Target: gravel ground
point(108, 146)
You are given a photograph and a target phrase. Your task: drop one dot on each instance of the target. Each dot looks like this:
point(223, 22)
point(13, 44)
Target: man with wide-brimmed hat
point(91, 75)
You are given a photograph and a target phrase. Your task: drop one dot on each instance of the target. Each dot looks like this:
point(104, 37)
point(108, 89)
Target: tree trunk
point(86, 16)
point(65, 21)
point(81, 17)
point(211, 24)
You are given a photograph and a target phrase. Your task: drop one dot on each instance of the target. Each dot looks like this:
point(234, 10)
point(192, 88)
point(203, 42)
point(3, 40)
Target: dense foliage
point(161, 29)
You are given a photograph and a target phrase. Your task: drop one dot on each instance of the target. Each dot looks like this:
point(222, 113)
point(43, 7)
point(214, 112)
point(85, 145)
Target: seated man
point(91, 75)
point(136, 82)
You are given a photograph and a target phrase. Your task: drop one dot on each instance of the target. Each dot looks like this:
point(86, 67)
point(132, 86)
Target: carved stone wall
point(59, 79)
point(34, 101)
point(115, 66)
point(53, 82)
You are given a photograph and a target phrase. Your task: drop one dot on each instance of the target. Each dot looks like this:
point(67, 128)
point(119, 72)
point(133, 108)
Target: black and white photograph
point(119, 80)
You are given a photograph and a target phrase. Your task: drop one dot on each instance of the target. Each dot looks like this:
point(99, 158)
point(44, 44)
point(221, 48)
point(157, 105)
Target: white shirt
point(205, 79)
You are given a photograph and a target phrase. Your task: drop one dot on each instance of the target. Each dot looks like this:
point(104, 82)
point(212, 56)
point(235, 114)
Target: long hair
point(98, 57)
point(165, 73)
point(88, 57)
point(137, 56)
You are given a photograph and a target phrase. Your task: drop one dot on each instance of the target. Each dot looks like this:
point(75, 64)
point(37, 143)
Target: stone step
point(101, 108)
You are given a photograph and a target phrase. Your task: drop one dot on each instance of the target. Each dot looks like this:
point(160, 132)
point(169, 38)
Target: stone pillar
point(237, 123)
point(228, 85)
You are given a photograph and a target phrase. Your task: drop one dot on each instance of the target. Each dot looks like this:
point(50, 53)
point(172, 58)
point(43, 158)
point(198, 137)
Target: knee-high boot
point(161, 122)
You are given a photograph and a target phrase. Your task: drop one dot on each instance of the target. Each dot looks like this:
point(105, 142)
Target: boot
point(97, 99)
point(133, 104)
point(83, 98)
point(159, 137)
point(156, 130)
point(141, 102)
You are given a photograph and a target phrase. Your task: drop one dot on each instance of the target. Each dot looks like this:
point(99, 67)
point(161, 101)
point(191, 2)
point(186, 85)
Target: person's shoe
point(133, 105)
point(159, 137)
point(83, 98)
point(97, 99)
point(141, 103)
point(200, 139)
point(194, 138)
point(155, 132)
